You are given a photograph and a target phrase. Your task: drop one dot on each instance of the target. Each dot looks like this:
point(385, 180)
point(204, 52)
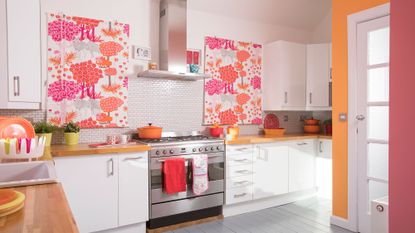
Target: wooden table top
point(253, 139)
point(84, 149)
point(46, 210)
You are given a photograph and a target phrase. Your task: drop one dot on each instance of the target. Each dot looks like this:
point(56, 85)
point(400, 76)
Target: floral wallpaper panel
point(87, 72)
point(233, 91)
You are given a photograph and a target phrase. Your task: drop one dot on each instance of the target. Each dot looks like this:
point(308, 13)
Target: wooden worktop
point(46, 210)
point(253, 139)
point(84, 149)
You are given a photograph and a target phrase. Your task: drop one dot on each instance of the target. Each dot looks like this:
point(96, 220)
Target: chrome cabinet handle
point(16, 85)
point(241, 182)
point(241, 160)
point(111, 167)
point(239, 195)
point(360, 117)
point(129, 159)
point(321, 147)
point(286, 97)
point(302, 143)
point(311, 98)
point(242, 149)
point(243, 171)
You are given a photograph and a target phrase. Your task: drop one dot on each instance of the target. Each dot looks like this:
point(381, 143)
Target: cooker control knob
point(194, 150)
point(164, 152)
point(157, 152)
point(200, 149)
point(212, 148)
point(171, 151)
point(218, 148)
point(206, 149)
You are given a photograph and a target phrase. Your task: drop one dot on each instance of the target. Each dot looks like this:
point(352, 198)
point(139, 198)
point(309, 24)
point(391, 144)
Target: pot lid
point(150, 126)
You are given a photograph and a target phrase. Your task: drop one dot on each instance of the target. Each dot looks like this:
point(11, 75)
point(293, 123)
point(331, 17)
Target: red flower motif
point(214, 86)
point(86, 72)
point(242, 98)
point(214, 43)
point(228, 117)
point(110, 48)
point(228, 74)
point(63, 89)
point(111, 71)
point(256, 82)
point(61, 29)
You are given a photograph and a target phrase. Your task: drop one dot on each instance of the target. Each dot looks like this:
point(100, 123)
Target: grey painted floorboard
point(306, 216)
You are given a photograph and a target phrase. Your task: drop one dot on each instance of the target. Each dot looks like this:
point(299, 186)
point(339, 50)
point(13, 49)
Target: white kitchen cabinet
point(91, 187)
point(105, 191)
point(324, 169)
point(284, 76)
point(20, 56)
point(302, 165)
point(318, 76)
point(133, 192)
point(325, 148)
point(270, 175)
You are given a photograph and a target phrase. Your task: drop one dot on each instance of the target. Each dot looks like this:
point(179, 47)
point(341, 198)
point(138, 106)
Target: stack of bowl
point(312, 126)
point(10, 201)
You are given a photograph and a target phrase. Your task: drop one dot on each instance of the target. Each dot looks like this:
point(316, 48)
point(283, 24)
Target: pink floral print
point(63, 89)
point(256, 82)
point(214, 87)
point(62, 29)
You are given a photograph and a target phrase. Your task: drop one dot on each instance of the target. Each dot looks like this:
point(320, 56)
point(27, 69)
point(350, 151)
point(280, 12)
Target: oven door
point(216, 172)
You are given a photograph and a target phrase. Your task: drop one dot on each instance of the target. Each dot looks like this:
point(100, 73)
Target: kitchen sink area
point(27, 173)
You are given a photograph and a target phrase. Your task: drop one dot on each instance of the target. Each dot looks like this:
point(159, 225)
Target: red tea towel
point(174, 175)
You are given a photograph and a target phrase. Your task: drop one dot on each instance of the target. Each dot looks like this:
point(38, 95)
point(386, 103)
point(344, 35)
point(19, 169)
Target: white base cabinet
point(105, 191)
point(260, 171)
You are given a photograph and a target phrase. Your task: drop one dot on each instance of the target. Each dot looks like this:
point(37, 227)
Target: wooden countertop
point(84, 149)
point(253, 139)
point(46, 210)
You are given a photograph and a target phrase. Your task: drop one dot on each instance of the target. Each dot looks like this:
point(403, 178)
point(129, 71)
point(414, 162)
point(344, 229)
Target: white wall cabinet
point(318, 76)
point(270, 176)
point(302, 156)
point(20, 58)
point(105, 191)
point(284, 76)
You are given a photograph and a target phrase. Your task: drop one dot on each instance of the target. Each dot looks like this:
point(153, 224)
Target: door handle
point(360, 117)
point(239, 195)
point(241, 160)
point(286, 97)
point(245, 171)
point(129, 159)
point(16, 85)
point(311, 98)
point(321, 147)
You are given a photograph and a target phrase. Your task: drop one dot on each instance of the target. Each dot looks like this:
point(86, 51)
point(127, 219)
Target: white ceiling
point(300, 14)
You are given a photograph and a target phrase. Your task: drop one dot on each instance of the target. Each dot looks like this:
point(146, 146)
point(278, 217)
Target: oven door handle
point(186, 158)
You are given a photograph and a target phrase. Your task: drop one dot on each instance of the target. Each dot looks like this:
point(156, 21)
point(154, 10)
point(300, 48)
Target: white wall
point(322, 32)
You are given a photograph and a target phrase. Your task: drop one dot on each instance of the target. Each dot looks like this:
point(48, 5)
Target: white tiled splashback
point(173, 105)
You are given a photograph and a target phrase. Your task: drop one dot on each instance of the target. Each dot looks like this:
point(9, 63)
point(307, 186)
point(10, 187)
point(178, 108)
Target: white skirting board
point(133, 228)
point(343, 223)
point(260, 204)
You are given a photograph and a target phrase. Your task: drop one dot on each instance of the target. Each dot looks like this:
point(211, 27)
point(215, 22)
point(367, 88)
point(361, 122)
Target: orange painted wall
point(341, 9)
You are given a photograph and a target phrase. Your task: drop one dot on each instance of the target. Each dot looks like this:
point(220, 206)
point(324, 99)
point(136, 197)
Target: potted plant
point(44, 129)
point(71, 133)
point(328, 126)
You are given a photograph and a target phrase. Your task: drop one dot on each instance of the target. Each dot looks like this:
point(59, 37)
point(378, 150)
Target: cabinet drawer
point(241, 170)
point(240, 159)
point(238, 182)
point(240, 149)
point(239, 195)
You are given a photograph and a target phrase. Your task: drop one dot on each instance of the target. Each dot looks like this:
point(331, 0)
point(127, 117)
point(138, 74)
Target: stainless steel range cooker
point(185, 206)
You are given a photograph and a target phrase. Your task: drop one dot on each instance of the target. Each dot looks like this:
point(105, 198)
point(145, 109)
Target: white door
point(302, 155)
point(372, 115)
point(23, 38)
point(133, 191)
point(91, 187)
point(270, 170)
point(318, 75)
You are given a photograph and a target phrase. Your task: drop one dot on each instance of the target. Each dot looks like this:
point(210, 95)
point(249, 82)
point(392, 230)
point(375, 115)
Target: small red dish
point(16, 127)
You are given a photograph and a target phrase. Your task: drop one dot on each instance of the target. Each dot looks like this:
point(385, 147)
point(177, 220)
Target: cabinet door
point(325, 148)
point(133, 188)
point(91, 186)
point(270, 171)
point(23, 40)
point(302, 165)
point(293, 74)
point(318, 75)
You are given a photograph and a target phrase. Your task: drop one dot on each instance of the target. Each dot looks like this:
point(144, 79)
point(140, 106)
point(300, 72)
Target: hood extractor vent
point(173, 43)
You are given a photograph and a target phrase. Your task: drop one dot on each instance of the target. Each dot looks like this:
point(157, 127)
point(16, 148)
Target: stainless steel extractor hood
point(173, 43)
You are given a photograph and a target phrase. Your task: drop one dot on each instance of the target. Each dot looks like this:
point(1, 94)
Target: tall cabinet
point(20, 54)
